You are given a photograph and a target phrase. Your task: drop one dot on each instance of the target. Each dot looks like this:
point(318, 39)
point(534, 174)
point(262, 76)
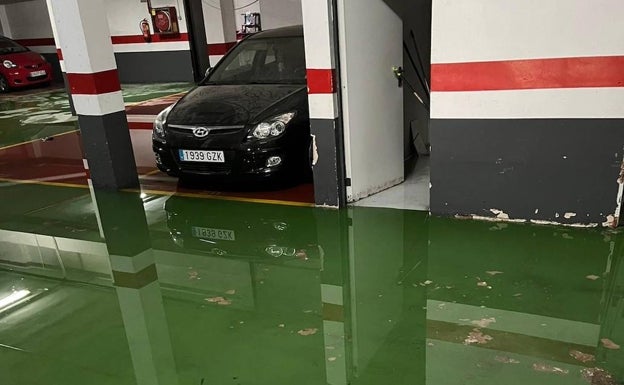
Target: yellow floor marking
point(36, 140)
point(224, 198)
point(150, 173)
point(56, 184)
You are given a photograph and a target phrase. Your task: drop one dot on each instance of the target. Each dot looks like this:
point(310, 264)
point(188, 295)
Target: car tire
point(4, 85)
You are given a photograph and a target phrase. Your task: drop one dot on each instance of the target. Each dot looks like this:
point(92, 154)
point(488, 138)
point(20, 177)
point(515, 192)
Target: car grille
point(187, 130)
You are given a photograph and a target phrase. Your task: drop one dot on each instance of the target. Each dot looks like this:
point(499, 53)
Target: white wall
point(280, 13)
point(28, 20)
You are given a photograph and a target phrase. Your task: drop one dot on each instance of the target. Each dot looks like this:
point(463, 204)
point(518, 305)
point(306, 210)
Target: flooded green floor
point(203, 291)
point(40, 113)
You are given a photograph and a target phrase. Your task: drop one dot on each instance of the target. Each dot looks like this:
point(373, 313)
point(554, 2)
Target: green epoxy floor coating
point(39, 113)
point(261, 294)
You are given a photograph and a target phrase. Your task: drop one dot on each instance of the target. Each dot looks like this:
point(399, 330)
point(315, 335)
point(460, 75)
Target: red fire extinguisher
point(145, 29)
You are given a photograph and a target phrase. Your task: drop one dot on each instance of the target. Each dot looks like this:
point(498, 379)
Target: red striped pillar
point(83, 36)
point(59, 52)
point(325, 123)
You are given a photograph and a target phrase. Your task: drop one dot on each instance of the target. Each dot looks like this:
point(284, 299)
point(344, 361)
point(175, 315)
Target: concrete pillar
point(59, 52)
point(83, 36)
point(325, 122)
point(228, 18)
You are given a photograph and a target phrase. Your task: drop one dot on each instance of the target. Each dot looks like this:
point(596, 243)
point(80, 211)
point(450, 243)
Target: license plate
point(202, 156)
point(34, 74)
point(216, 234)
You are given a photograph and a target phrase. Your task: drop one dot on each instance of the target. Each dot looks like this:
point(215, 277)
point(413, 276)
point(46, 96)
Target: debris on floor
point(607, 343)
point(477, 337)
point(541, 367)
point(484, 323)
point(494, 272)
point(592, 277)
point(597, 376)
point(307, 332)
point(506, 360)
point(582, 357)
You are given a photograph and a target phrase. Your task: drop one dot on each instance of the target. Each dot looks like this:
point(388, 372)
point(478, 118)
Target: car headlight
point(159, 123)
point(273, 127)
point(9, 64)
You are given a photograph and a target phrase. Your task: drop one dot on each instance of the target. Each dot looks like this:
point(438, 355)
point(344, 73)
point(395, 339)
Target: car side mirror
point(208, 71)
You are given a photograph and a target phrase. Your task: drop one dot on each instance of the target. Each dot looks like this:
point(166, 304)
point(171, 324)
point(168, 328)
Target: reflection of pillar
point(138, 290)
point(612, 319)
point(84, 37)
point(331, 230)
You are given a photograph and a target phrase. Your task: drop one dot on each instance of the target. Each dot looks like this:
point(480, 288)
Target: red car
point(21, 67)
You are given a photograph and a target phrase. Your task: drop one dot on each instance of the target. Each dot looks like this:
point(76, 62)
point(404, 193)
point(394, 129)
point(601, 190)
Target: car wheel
point(4, 85)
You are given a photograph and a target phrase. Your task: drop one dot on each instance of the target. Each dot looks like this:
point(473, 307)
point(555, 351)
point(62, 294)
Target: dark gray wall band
point(53, 59)
point(529, 168)
point(152, 67)
point(328, 171)
point(108, 148)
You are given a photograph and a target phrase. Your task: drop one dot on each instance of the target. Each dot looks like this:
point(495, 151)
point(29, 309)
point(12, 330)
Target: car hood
point(229, 105)
point(23, 58)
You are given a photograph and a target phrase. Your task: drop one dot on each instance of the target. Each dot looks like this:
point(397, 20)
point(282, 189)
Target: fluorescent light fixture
point(13, 298)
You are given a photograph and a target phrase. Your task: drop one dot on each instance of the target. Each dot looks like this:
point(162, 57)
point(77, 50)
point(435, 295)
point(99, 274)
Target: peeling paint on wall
point(315, 155)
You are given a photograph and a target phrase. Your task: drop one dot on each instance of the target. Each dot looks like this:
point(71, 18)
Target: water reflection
point(191, 291)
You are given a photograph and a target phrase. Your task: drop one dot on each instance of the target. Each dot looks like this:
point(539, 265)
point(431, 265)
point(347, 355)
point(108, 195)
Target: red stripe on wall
point(59, 53)
point(95, 83)
point(321, 81)
point(36, 42)
point(156, 38)
point(579, 72)
point(220, 48)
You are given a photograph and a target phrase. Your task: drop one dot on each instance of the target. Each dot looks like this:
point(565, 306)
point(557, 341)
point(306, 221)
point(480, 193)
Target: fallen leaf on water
point(583, 357)
point(549, 369)
point(592, 277)
point(230, 292)
point(214, 299)
point(494, 272)
point(482, 284)
point(506, 360)
point(607, 343)
point(485, 322)
point(476, 337)
point(597, 376)
point(307, 332)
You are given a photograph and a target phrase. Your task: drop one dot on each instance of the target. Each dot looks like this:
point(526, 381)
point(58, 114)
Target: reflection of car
point(258, 232)
point(20, 66)
point(247, 120)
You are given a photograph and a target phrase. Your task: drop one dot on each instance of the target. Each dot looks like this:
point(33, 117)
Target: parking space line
point(222, 197)
point(7, 182)
point(36, 140)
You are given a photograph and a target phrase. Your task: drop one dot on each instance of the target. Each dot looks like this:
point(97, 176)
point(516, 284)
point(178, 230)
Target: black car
point(248, 119)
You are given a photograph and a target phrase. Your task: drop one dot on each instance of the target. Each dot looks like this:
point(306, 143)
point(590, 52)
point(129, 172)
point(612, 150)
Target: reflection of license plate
point(202, 156)
point(217, 234)
point(34, 74)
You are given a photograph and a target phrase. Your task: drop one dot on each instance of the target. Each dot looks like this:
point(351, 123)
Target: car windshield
point(263, 61)
point(9, 46)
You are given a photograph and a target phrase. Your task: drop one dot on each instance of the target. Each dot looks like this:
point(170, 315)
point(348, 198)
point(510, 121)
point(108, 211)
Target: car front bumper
point(240, 164)
point(21, 77)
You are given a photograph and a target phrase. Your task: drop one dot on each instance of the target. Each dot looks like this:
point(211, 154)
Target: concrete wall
point(527, 112)
point(280, 13)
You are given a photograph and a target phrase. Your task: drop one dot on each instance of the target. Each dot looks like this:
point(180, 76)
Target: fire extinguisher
point(145, 29)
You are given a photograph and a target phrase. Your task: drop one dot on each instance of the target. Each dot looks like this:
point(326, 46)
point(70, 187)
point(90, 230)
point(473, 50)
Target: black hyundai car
point(248, 119)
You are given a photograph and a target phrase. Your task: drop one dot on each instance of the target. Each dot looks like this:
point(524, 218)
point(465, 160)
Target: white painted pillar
point(229, 20)
point(83, 35)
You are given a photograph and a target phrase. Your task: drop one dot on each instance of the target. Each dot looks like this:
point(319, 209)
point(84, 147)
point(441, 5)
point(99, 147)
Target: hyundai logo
point(201, 132)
